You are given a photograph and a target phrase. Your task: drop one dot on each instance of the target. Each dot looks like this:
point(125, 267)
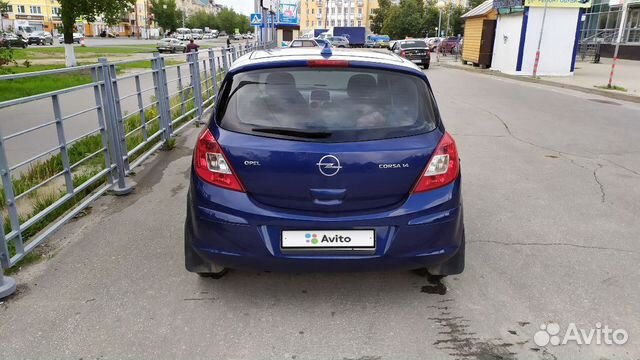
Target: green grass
point(31, 68)
point(145, 64)
point(17, 88)
point(40, 171)
point(42, 202)
point(14, 89)
point(58, 52)
point(614, 87)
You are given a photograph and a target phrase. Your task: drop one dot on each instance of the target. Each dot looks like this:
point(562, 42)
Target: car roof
point(262, 57)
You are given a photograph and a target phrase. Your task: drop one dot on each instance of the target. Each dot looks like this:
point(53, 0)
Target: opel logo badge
point(329, 165)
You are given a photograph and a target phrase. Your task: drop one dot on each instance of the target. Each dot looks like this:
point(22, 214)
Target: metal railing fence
point(61, 150)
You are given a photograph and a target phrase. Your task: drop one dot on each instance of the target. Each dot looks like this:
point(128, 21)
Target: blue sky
point(241, 6)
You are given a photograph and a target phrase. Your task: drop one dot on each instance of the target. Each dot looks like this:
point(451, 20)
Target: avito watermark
point(599, 335)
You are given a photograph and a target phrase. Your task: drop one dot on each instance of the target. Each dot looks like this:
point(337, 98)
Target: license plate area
point(328, 239)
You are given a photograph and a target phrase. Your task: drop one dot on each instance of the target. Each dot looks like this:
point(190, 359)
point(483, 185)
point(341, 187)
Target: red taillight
point(328, 63)
point(403, 53)
point(443, 167)
point(212, 165)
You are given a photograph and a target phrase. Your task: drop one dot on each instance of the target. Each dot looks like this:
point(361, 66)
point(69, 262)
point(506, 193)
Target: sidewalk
point(586, 77)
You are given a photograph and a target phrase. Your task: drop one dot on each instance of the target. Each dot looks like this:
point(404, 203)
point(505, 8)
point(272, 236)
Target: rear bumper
point(420, 60)
point(426, 230)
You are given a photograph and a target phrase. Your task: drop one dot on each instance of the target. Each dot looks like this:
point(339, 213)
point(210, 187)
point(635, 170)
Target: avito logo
point(313, 239)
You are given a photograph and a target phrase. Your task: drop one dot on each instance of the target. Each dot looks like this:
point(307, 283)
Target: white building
point(518, 32)
point(191, 6)
point(345, 13)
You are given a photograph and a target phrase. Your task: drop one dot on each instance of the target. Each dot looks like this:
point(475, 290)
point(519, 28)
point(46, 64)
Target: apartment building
point(324, 14)
point(37, 15)
point(192, 6)
point(32, 15)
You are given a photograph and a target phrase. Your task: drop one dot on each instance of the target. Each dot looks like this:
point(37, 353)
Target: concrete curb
point(610, 94)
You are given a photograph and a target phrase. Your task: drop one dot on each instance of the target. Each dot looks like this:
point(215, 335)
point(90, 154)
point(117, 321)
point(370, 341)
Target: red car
point(447, 45)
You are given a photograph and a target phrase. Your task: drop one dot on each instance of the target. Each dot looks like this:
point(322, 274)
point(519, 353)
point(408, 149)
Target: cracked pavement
point(551, 182)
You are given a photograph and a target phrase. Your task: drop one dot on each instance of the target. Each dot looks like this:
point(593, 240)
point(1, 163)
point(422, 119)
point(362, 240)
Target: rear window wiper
point(294, 133)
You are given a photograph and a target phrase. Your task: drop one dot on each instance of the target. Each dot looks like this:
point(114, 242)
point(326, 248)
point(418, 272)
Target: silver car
point(303, 43)
point(77, 37)
point(171, 45)
point(339, 41)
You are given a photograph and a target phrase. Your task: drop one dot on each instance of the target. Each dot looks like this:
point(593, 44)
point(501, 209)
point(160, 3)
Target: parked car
point(77, 38)
point(339, 41)
point(40, 38)
point(369, 180)
point(171, 45)
point(303, 43)
point(323, 42)
point(222, 34)
point(12, 40)
point(415, 51)
point(236, 37)
point(377, 41)
point(197, 34)
point(448, 45)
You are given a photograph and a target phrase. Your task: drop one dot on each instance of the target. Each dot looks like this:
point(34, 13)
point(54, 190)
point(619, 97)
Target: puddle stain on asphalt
point(454, 335)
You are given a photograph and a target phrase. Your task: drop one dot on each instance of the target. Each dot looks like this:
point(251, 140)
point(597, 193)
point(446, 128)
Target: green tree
point(227, 20)
point(432, 14)
point(379, 14)
point(4, 9)
point(474, 3)
point(405, 20)
point(111, 12)
point(456, 22)
point(201, 19)
point(243, 23)
point(166, 14)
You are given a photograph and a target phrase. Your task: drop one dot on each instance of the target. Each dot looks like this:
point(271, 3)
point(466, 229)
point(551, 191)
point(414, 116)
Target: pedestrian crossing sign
point(256, 19)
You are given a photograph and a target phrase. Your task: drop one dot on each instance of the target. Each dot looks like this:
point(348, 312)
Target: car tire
point(426, 66)
point(193, 262)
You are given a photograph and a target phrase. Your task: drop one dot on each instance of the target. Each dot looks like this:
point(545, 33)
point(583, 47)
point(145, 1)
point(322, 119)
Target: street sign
point(559, 3)
point(256, 19)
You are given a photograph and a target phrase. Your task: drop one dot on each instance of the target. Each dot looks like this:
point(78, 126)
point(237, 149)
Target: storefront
point(28, 23)
point(603, 23)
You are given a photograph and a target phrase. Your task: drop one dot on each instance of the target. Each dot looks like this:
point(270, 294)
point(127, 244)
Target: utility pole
point(146, 19)
point(137, 20)
point(537, 60)
point(446, 33)
point(625, 6)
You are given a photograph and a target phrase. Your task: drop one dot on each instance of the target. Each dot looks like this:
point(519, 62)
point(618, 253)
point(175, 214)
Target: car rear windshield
point(327, 104)
point(413, 44)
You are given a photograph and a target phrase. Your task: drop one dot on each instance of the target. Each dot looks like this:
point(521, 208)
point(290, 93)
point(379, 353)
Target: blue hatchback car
point(320, 161)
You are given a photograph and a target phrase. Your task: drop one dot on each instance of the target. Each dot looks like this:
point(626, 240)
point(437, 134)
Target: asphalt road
point(552, 197)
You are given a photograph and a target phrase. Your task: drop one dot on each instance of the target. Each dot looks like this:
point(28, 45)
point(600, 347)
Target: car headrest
point(278, 80)
point(362, 86)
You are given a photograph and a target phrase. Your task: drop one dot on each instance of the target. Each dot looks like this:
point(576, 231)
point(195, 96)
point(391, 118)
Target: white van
point(197, 34)
point(183, 34)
